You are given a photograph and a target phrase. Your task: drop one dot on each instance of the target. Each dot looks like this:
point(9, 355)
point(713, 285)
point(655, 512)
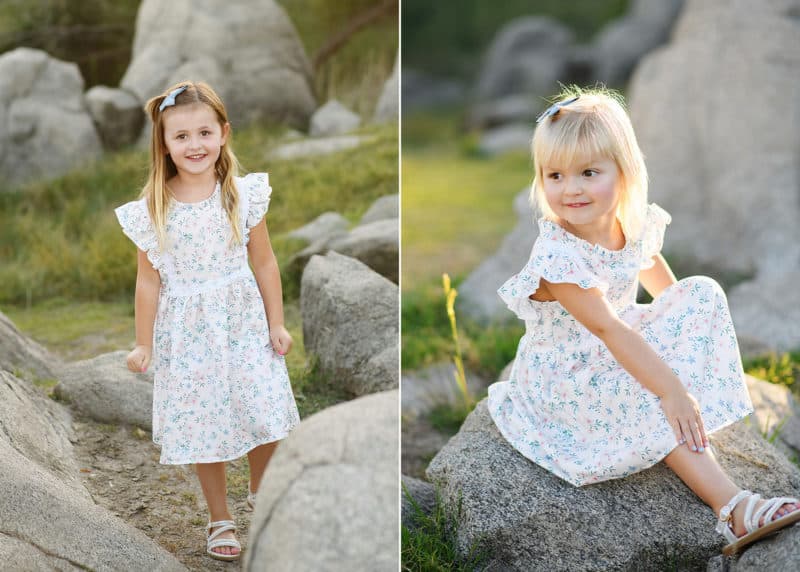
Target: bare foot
point(738, 515)
point(227, 550)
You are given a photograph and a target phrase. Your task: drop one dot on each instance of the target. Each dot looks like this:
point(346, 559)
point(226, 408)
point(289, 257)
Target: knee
point(706, 285)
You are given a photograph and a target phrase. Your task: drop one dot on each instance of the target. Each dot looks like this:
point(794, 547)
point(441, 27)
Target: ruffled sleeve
point(136, 224)
point(258, 194)
point(655, 224)
point(554, 260)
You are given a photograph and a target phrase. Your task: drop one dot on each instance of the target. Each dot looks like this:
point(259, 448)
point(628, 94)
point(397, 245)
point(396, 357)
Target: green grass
point(781, 370)
point(430, 543)
point(427, 339)
point(457, 205)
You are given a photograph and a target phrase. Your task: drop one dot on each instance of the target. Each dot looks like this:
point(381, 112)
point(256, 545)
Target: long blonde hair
point(162, 167)
point(595, 125)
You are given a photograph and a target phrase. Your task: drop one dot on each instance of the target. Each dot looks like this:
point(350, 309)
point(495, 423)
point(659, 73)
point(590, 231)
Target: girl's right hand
point(139, 359)
point(683, 414)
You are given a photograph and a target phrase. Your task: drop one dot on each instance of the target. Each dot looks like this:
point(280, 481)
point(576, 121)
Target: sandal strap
point(726, 515)
point(769, 508)
point(224, 526)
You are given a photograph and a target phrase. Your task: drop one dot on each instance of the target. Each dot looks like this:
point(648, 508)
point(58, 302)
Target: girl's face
point(193, 137)
point(584, 193)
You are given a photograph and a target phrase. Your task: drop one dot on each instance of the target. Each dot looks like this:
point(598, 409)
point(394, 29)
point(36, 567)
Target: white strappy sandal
point(214, 542)
point(751, 518)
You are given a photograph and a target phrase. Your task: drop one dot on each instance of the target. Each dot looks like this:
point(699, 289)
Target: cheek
point(605, 190)
point(552, 193)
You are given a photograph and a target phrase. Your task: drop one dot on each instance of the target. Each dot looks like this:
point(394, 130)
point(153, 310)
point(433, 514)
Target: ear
point(226, 131)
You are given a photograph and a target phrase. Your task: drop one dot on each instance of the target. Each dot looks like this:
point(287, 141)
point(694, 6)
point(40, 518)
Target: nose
point(572, 186)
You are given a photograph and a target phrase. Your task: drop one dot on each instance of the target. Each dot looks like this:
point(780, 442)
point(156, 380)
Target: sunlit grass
point(457, 205)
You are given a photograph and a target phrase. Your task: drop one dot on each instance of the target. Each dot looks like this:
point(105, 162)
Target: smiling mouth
point(576, 205)
point(196, 157)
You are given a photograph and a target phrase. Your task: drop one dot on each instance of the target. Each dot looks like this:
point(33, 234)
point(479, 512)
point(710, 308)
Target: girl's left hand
point(281, 340)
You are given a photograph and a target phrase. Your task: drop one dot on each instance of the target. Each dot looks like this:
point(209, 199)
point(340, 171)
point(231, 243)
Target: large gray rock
point(477, 295)
point(332, 486)
point(422, 91)
point(247, 50)
point(104, 389)
point(333, 118)
point(435, 385)
point(766, 312)
point(519, 108)
point(118, 115)
point(320, 146)
point(781, 553)
point(323, 226)
point(24, 357)
point(49, 520)
point(723, 160)
point(776, 415)
point(45, 128)
point(527, 56)
point(387, 206)
point(376, 244)
point(350, 323)
point(526, 516)
point(416, 496)
point(38, 429)
point(620, 45)
point(388, 108)
point(512, 137)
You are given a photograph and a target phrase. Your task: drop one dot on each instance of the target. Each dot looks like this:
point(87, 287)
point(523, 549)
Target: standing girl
point(601, 386)
point(212, 327)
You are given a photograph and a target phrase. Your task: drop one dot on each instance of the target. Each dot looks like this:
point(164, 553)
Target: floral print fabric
point(219, 389)
point(568, 405)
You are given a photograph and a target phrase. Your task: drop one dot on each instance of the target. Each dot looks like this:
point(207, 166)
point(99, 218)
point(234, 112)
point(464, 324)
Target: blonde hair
point(162, 168)
point(595, 125)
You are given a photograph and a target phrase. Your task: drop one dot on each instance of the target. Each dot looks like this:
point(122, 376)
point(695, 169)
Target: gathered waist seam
point(208, 285)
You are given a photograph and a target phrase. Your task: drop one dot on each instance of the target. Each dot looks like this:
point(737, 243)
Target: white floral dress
point(220, 389)
point(569, 406)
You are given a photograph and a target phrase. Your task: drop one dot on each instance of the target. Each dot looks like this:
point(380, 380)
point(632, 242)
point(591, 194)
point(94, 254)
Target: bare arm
point(148, 285)
point(591, 309)
point(268, 276)
point(657, 278)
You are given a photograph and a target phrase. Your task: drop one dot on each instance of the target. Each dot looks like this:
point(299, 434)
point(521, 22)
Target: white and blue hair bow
point(170, 99)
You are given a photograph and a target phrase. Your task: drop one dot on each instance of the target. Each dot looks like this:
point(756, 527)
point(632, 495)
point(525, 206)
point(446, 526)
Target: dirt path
point(119, 467)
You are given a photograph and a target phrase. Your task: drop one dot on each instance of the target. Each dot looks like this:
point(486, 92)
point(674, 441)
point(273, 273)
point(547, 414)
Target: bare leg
point(258, 459)
point(702, 473)
point(212, 480)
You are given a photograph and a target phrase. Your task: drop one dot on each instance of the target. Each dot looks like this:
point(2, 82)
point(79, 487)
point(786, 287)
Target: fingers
point(282, 343)
point(137, 361)
point(144, 363)
point(693, 434)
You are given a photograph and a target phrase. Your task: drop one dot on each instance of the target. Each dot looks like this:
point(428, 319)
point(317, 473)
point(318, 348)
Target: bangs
point(573, 138)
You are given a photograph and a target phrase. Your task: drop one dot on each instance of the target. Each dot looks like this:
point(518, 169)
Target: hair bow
point(170, 99)
point(555, 108)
